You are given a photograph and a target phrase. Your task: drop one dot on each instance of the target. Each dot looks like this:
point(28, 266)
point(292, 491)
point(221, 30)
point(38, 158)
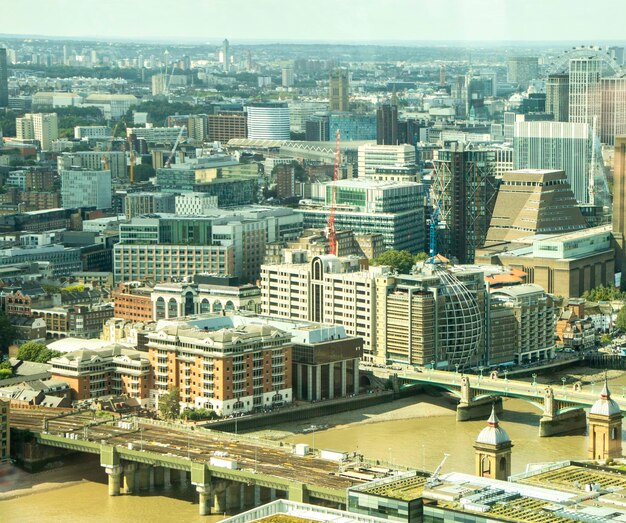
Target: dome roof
point(605, 406)
point(493, 434)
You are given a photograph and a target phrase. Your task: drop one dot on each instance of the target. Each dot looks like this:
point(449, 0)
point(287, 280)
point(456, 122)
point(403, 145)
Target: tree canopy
point(602, 293)
point(620, 320)
point(169, 404)
point(399, 261)
point(37, 352)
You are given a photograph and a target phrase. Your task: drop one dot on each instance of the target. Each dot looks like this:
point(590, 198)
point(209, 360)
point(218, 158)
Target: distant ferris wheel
point(610, 67)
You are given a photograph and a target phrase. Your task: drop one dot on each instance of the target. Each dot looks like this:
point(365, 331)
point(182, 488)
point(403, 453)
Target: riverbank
point(68, 472)
point(422, 406)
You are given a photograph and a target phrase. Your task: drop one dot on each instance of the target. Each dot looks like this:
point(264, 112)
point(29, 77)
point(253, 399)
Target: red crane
point(332, 233)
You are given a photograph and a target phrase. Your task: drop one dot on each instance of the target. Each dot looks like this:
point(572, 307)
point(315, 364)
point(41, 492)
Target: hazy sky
point(336, 20)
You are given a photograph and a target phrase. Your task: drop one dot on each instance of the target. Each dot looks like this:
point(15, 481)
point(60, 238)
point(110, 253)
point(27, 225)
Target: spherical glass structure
point(461, 327)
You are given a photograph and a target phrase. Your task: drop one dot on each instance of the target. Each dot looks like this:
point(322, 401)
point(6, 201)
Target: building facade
point(85, 188)
point(224, 363)
point(268, 121)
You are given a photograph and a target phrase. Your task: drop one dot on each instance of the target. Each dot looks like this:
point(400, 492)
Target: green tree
point(602, 293)
point(169, 404)
point(5, 374)
point(620, 321)
point(37, 352)
point(7, 333)
point(399, 261)
point(420, 257)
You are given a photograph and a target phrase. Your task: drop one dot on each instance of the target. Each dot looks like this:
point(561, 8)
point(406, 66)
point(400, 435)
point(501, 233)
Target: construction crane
point(169, 82)
point(332, 233)
point(171, 157)
point(433, 481)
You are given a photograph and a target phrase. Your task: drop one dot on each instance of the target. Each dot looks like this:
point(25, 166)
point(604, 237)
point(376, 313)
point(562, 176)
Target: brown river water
point(414, 432)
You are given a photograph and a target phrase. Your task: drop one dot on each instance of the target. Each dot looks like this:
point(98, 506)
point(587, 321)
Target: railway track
point(197, 445)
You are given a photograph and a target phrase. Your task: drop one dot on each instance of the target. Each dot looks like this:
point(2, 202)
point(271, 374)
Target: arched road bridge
point(561, 406)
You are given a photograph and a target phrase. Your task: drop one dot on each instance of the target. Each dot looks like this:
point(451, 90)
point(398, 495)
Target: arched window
point(205, 306)
point(172, 308)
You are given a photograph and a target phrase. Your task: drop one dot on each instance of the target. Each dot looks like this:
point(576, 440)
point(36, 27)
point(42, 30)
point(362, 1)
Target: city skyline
point(444, 21)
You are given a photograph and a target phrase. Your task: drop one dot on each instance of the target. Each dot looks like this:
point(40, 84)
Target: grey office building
point(4, 79)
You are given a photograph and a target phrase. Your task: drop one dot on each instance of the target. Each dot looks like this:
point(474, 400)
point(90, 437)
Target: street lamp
point(456, 366)
point(141, 436)
point(593, 386)
point(534, 379)
point(563, 380)
point(481, 369)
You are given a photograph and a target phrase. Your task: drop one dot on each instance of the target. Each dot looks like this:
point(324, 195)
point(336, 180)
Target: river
point(414, 432)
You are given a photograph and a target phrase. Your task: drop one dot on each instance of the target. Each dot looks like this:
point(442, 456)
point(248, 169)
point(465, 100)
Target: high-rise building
point(393, 209)
point(533, 202)
point(464, 191)
point(557, 97)
point(38, 126)
point(159, 84)
point(197, 127)
point(612, 109)
point(522, 69)
point(617, 53)
point(85, 188)
point(387, 124)
point(353, 127)
point(287, 77)
point(373, 158)
point(226, 126)
point(619, 202)
point(4, 79)
point(300, 112)
point(584, 92)
point(556, 145)
point(268, 121)
point(226, 55)
point(339, 91)
point(166, 246)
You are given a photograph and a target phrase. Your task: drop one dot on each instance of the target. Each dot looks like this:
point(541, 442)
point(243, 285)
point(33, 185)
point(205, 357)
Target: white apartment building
point(372, 156)
point(195, 204)
point(325, 290)
point(43, 127)
point(85, 188)
point(91, 131)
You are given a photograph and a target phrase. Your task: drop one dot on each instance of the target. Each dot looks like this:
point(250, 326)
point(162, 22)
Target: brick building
point(108, 370)
point(223, 363)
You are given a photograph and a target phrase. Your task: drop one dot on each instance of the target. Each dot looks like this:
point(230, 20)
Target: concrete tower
point(493, 450)
point(619, 201)
point(339, 91)
point(605, 427)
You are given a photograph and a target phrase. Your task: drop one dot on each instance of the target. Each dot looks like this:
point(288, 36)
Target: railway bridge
point(562, 407)
point(228, 471)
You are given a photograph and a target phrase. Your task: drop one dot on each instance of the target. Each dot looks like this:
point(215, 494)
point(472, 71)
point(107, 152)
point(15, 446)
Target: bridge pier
point(115, 479)
point(144, 477)
point(158, 476)
point(174, 476)
point(570, 421)
point(478, 409)
point(248, 495)
point(129, 477)
point(233, 495)
point(204, 493)
point(219, 501)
